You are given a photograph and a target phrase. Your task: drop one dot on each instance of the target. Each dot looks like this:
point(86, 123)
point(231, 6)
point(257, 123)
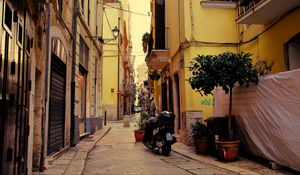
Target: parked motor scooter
point(159, 132)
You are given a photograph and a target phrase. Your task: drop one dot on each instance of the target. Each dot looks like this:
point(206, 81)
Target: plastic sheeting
point(269, 116)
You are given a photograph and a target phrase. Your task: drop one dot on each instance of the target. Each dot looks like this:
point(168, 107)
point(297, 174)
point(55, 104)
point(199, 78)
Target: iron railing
point(246, 5)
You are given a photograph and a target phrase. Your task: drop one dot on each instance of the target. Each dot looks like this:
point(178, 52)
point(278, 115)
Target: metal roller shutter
point(57, 105)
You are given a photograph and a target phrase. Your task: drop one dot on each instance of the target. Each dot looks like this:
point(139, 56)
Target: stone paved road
point(117, 153)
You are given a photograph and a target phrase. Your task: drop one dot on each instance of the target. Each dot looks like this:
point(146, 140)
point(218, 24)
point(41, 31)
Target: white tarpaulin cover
point(269, 116)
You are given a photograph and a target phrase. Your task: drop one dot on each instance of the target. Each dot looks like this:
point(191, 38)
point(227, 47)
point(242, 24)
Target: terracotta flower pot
point(139, 135)
point(228, 150)
point(201, 145)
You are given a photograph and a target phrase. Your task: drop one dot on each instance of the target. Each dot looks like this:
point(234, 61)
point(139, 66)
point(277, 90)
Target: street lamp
point(115, 32)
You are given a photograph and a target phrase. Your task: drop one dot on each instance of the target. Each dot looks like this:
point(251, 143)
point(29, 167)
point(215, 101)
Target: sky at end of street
point(139, 25)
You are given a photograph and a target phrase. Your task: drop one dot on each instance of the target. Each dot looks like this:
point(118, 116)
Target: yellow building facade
point(192, 27)
point(117, 69)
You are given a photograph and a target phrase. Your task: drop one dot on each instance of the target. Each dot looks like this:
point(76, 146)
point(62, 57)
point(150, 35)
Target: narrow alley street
point(117, 153)
point(113, 150)
point(213, 84)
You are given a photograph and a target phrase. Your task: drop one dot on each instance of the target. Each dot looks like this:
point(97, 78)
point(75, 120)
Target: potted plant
point(141, 121)
point(262, 67)
point(145, 40)
point(200, 136)
point(224, 70)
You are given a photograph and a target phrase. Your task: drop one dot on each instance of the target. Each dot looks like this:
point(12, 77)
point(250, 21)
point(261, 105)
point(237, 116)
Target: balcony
point(158, 59)
point(158, 56)
point(264, 11)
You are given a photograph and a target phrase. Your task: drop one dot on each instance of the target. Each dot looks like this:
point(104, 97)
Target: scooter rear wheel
point(165, 150)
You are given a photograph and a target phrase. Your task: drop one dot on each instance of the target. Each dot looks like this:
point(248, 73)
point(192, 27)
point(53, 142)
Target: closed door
point(14, 107)
point(57, 105)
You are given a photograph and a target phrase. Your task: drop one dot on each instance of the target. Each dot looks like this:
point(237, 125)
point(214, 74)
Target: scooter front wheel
point(166, 149)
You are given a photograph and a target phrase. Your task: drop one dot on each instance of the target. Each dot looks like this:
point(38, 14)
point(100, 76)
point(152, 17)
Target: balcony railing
point(264, 11)
point(245, 5)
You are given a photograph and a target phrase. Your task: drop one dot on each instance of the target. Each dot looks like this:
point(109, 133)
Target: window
point(8, 17)
point(82, 6)
point(292, 53)
point(83, 54)
point(28, 43)
point(224, 4)
point(60, 6)
point(20, 34)
point(89, 12)
point(83, 66)
point(86, 10)
point(82, 92)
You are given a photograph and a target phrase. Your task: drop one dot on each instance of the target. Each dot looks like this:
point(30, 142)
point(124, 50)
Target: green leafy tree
point(224, 70)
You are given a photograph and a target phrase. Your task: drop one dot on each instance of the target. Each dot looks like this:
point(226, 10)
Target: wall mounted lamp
point(115, 32)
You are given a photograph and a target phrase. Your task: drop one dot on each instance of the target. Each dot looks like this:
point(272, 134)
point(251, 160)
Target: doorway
point(177, 99)
point(14, 104)
point(56, 132)
point(164, 97)
point(292, 53)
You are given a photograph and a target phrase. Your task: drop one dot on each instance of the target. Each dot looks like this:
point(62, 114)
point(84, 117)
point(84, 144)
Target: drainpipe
point(192, 21)
point(96, 73)
point(44, 108)
point(95, 88)
point(74, 29)
point(118, 96)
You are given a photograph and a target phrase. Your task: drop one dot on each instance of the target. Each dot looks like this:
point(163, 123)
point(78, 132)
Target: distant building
point(142, 74)
point(117, 64)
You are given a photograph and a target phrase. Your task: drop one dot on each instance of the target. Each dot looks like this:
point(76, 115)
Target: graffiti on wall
point(207, 102)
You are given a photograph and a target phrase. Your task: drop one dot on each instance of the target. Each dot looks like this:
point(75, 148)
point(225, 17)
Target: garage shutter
point(57, 105)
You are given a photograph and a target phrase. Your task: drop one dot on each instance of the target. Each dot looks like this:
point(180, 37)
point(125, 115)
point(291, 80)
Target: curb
point(79, 164)
point(214, 163)
point(99, 139)
point(94, 144)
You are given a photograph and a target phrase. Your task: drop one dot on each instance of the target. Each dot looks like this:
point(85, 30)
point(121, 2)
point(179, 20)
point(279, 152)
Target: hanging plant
point(145, 41)
point(145, 37)
point(154, 75)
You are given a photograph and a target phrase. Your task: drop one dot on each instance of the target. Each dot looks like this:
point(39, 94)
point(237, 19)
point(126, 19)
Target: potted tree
point(145, 40)
point(224, 70)
point(200, 136)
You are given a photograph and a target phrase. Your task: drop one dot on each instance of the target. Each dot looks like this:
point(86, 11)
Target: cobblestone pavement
point(112, 150)
point(71, 162)
point(117, 153)
point(242, 166)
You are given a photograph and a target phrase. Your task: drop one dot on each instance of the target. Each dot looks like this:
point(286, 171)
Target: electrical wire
point(186, 44)
point(119, 50)
point(137, 13)
point(108, 22)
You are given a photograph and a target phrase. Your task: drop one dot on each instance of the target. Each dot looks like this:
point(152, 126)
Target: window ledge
point(218, 4)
